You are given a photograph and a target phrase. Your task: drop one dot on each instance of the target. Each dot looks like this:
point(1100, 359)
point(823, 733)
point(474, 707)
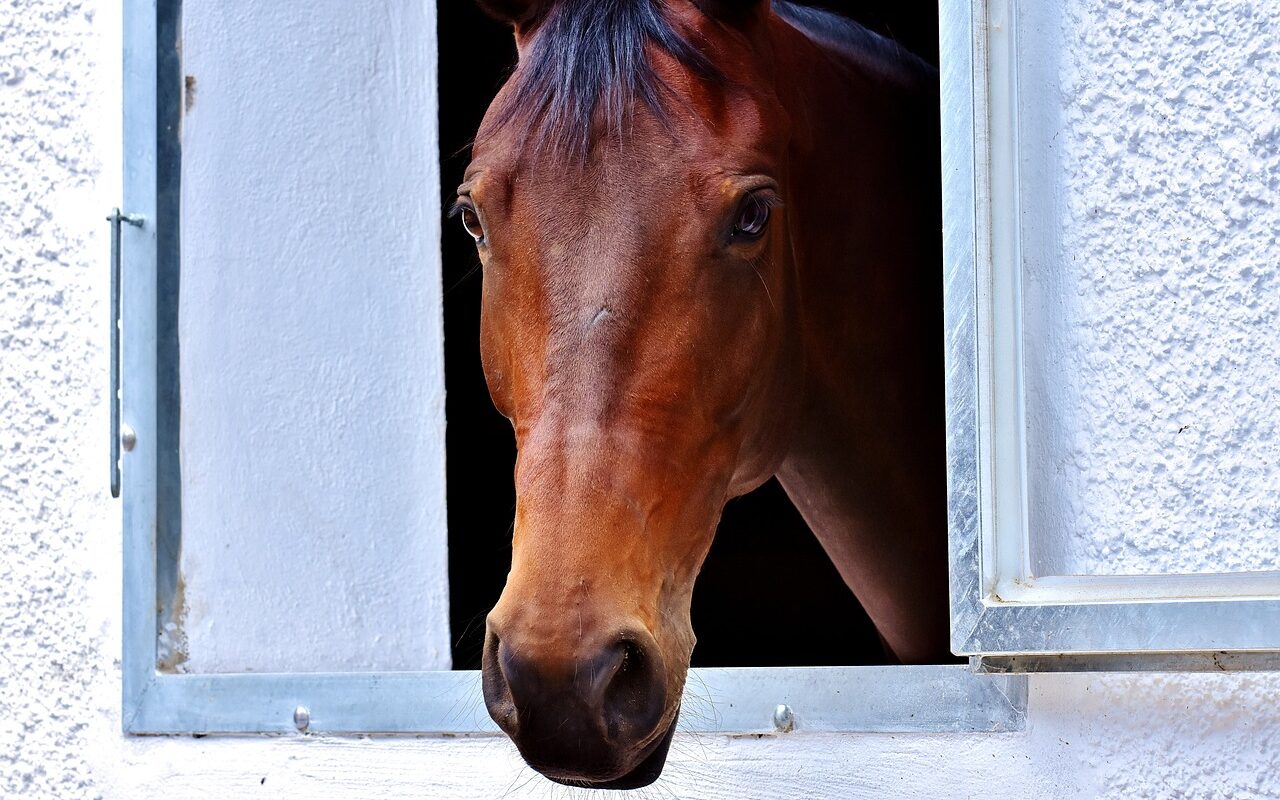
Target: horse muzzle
point(596, 716)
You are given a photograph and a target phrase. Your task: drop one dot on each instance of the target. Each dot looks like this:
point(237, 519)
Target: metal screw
point(784, 719)
point(302, 718)
point(128, 439)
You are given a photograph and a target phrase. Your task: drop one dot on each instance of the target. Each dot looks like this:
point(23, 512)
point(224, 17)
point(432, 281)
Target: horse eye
point(471, 221)
point(752, 218)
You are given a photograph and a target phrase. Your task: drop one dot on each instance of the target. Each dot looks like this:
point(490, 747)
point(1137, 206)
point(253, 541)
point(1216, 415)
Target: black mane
point(871, 51)
point(592, 54)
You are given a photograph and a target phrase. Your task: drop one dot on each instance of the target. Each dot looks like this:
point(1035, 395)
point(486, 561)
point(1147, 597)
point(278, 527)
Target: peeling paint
point(172, 647)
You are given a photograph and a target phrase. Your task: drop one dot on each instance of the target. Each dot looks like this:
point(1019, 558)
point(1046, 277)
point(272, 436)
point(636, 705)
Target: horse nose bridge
point(621, 457)
point(585, 481)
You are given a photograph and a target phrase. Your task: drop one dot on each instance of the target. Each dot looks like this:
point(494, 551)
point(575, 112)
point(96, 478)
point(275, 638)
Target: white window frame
point(1005, 616)
point(158, 700)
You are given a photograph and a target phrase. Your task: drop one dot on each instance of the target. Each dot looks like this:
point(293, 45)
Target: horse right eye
point(471, 221)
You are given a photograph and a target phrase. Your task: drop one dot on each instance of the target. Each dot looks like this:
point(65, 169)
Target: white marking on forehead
point(603, 314)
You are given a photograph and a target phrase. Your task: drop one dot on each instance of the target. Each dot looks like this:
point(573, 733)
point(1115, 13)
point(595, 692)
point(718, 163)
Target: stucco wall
point(1153, 309)
point(1203, 736)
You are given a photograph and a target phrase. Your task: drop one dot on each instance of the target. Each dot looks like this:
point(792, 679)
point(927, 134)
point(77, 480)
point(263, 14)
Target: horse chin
point(641, 775)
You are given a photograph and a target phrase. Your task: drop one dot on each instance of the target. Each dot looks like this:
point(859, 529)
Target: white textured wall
point(1153, 316)
point(1122, 737)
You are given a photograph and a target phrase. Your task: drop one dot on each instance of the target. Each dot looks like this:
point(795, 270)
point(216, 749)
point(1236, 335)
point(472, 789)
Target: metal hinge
point(118, 437)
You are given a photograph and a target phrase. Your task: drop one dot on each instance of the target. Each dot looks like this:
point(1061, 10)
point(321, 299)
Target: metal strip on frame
point(138, 335)
point(917, 699)
point(1127, 662)
point(170, 106)
point(961, 144)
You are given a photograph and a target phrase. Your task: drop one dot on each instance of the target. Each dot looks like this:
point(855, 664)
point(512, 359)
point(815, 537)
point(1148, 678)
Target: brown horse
point(710, 238)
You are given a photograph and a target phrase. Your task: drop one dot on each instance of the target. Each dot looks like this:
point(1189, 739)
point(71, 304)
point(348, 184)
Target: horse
point(709, 233)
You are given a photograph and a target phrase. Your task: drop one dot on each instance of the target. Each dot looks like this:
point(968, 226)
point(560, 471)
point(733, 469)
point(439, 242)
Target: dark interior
point(767, 595)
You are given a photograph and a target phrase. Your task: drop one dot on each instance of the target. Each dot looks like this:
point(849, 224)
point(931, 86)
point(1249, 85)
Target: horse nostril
point(635, 695)
point(494, 684)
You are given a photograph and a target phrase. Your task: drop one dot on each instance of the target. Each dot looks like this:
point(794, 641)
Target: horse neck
point(866, 467)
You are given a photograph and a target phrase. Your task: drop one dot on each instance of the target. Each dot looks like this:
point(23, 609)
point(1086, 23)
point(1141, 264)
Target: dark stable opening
point(767, 595)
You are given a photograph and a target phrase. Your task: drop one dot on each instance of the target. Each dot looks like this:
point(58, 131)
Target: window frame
point(1002, 614)
point(943, 698)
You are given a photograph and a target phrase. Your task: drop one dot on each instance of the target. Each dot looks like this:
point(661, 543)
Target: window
point(1015, 111)
point(766, 570)
point(232, 625)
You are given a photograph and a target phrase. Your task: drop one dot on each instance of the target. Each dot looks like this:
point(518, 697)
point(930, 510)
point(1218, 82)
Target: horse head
point(626, 198)
point(631, 199)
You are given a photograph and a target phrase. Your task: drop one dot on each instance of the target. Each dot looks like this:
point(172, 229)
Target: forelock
point(589, 58)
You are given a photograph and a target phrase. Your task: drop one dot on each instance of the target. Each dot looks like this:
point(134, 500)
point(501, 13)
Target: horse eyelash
point(769, 197)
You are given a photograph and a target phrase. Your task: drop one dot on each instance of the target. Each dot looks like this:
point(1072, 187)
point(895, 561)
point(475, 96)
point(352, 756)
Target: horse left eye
point(752, 218)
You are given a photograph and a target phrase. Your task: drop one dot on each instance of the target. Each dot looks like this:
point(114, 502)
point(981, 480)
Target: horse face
point(635, 330)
